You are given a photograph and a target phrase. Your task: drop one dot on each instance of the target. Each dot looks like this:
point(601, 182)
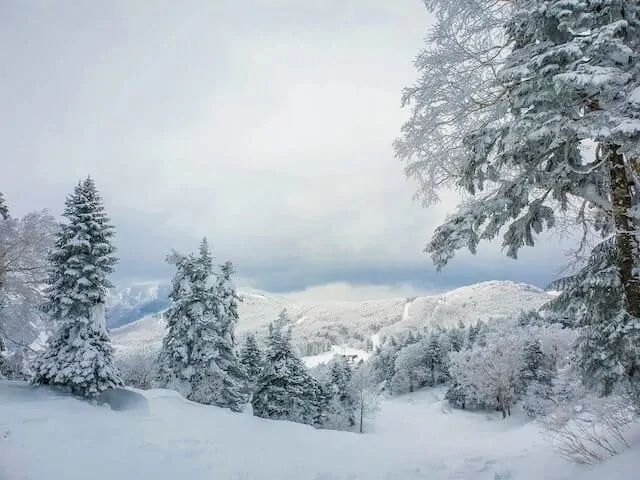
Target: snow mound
point(125, 399)
point(47, 436)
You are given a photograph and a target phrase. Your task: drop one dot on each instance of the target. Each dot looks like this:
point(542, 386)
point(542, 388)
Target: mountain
point(319, 326)
point(137, 301)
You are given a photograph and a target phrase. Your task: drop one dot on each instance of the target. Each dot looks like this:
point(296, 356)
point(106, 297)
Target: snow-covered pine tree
point(341, 409)
point(197, 357)
point(230, 385)
point(568, 77)
point(173, 365)
point(4, 209)
point(79, 356)
point(251, 359)
point(285, 390)
point(536, 378)
point(457, 336)
point(593, 296)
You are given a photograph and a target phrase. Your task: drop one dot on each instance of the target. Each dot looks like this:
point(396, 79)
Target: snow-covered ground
point(325, 357)
point(46, 436)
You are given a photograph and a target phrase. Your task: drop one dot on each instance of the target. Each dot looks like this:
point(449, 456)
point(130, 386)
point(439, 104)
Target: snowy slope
point(319, 326)
point(44, 436)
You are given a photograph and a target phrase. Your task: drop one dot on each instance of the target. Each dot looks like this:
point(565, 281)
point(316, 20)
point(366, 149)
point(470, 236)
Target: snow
point(349, 322)
point(315, 360)
point(45, 435)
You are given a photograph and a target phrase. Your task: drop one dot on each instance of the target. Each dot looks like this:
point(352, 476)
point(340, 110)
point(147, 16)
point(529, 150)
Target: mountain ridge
point(322, 324)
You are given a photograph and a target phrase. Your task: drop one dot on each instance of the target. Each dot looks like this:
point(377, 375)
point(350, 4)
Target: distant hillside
point(317, 326)
point(137, 301)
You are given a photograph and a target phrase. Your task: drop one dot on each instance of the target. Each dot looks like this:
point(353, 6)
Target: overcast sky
point(265, 125)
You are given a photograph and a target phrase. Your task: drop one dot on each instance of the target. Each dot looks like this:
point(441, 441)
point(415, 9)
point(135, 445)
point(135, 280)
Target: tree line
point(199, 356)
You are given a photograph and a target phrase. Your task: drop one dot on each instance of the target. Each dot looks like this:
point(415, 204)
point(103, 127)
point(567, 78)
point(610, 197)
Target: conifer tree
point(341, 409)
point(79, 355)
point(4, 209)
point(197, 356)
point(608, 353)
point(285, 390)
point(251, 359)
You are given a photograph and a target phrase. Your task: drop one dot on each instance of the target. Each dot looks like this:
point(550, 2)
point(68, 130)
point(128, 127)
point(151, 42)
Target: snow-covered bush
point(137, 369)
point(489, 375)
point(592, 431)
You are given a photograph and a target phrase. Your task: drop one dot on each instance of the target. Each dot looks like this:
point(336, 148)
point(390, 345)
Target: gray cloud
point(265, 125)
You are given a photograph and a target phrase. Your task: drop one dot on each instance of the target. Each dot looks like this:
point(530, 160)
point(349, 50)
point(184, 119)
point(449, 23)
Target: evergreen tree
point(285, 390)
point(608, 350)
point(457, 337)
point(536, 377)
point(341, 403)
point(79, 355)
point(435, 360)
point(198, 356)
point(251, 359)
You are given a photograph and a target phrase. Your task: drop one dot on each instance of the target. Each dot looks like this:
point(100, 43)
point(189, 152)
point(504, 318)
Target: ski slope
point(47, 436)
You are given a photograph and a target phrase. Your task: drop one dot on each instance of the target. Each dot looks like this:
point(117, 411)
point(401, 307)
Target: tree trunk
point(625, 231)
point(501, 405)
point(361, 415)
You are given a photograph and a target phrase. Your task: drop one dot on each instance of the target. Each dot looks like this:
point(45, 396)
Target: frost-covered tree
point(565, 75)
point(341, 407)
point(251, 358)
point(536, 378)
point(412, 368)
point(489, 375)
point(24, 245)
point(457, 337)
point(383, 362)
point(4, 208)
point(79, 356)
point(364, 393)
point(608, 352)
point(198, 357)
point(285, 390)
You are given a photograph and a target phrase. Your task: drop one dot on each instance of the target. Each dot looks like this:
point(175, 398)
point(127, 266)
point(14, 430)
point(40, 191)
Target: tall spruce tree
point(285, 390)
point(197, 357)
point(79, 355)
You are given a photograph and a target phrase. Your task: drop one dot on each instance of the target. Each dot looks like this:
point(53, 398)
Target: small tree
point(365, 394)
point(24, 244)
point(285, 390)
point(489, 375)
point(79, 355)
point(4, 209)
point(341, 409)
point(536, 379)
point(251, 359)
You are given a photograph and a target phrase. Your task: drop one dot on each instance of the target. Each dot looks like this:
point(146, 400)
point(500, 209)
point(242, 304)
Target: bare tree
point(365, 394)
point(24, 245)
